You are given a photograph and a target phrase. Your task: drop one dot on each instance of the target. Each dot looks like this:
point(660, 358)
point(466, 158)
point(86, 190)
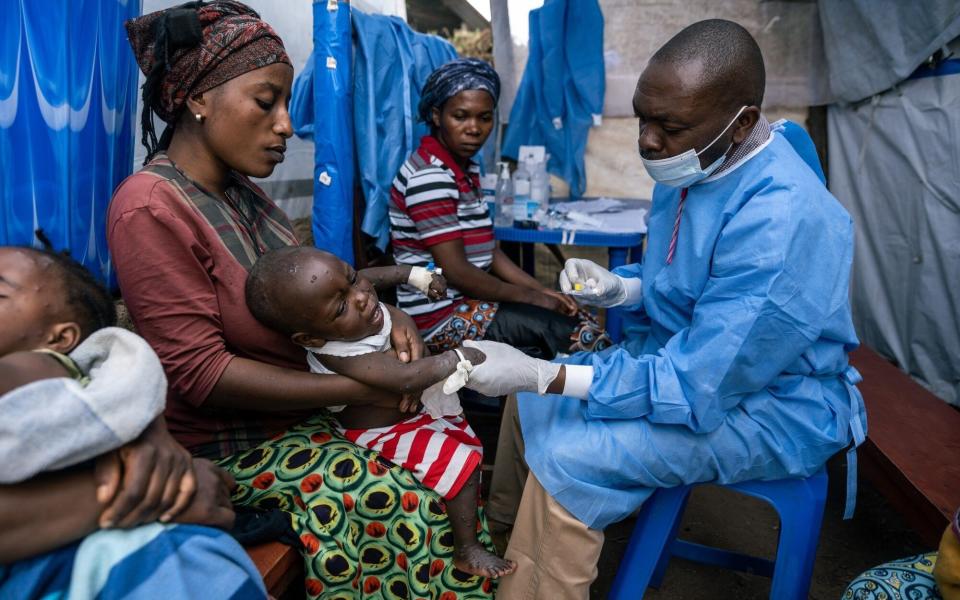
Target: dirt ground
point(722, 518)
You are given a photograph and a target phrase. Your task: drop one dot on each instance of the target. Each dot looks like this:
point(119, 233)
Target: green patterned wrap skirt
point(369, 529)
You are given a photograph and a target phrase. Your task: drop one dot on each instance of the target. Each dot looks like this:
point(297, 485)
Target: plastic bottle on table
point(539, 192)
point(521, 193)
point(504, 198)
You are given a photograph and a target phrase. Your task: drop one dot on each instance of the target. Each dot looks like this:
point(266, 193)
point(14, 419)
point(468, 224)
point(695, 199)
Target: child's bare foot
point(475, 559)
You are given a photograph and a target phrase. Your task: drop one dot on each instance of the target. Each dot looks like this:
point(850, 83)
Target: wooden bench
point(281, 567)
point(912, 452)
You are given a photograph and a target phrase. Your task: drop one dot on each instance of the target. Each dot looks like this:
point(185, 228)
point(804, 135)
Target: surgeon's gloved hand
point(591, 284)
point(507, 370)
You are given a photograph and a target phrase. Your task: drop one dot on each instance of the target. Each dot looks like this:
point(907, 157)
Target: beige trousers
point(509, 471)
point(556, 554)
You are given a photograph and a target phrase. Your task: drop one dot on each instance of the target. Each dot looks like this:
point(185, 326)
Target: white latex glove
point(507, 370)
point(591, 284)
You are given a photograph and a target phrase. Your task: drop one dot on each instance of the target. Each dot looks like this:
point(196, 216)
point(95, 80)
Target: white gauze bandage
point(421, 278)
point(458, 378)
point(441, 399)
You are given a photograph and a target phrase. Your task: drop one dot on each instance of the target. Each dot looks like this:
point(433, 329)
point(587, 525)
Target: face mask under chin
point(684, 170)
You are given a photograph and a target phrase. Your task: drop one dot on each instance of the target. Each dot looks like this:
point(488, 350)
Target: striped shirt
point(434, 201)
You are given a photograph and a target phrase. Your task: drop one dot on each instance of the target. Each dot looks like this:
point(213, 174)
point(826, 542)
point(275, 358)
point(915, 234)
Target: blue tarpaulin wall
point(561, 92)
point(391, 63)
point(68, 85)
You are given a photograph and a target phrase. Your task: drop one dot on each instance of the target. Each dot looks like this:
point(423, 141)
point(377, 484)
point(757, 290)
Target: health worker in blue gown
point(737, 328)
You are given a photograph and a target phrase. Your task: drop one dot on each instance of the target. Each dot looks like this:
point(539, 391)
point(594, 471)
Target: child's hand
point(408, 403)
point(429, 281)
point(474, 355)
point(438, 287)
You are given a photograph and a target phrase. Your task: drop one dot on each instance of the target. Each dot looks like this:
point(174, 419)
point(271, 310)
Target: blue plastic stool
point(799, 502)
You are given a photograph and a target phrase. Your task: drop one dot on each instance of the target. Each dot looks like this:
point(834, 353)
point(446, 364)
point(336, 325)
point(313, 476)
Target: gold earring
point(198, 117)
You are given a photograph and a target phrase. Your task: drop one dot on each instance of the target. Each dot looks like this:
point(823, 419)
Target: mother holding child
point(240, 315)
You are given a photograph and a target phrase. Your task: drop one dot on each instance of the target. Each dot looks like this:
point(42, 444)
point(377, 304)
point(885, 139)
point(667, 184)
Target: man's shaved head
point(731, 65)
point(692, 88)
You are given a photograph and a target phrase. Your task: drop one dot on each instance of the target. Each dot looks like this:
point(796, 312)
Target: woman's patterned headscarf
point(194, 47)
point(454, 77)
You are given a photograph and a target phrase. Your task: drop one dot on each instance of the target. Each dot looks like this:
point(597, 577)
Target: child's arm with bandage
point(385, 371)
point(428, 280)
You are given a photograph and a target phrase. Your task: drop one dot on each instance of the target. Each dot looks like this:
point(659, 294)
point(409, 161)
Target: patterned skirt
point(369, 528)
point(472, 318)
point(905, 579)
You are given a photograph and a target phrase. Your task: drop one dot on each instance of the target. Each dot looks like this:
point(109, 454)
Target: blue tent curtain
point(392, 63)
point(68, 85)
point(332, 121)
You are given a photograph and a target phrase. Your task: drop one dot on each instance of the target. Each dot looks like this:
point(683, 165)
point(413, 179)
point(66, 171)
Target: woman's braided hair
point(177, 29)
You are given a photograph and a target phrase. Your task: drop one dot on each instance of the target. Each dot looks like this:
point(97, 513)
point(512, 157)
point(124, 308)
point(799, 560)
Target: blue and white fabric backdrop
point(67, 96)
point(392, 64)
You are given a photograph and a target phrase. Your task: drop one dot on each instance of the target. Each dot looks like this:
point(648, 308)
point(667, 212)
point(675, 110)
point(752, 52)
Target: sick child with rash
point(334, 312)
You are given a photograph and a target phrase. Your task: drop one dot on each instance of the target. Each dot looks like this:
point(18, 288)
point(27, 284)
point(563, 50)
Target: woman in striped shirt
point(437, 215)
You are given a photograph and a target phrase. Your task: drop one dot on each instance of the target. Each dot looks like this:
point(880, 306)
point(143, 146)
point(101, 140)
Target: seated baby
point(334, 312)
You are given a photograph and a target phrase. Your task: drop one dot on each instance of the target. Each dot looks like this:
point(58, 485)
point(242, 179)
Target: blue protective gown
point(734, 367)
point(563, 82)
point(391, 64)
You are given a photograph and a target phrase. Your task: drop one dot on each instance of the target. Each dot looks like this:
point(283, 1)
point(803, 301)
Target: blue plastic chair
point(799, 503)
